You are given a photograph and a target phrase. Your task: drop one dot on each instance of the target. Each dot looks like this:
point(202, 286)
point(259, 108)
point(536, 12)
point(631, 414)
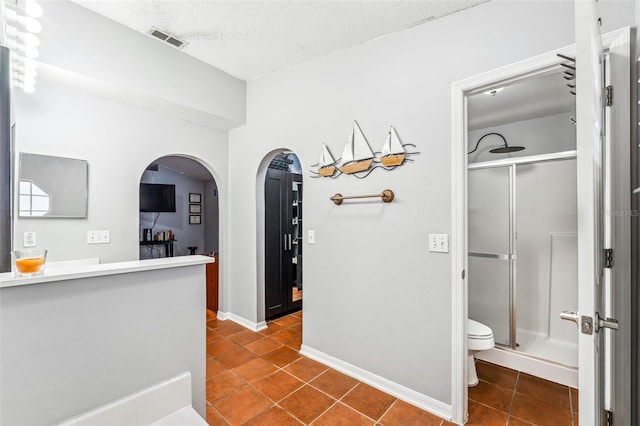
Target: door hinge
point(608, 418)
point(609, 95)
point(608, 258)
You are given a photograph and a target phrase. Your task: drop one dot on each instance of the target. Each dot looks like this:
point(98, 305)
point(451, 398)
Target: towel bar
point(386, 196)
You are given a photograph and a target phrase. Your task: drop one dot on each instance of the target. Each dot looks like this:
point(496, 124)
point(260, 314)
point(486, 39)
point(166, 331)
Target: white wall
point(374, 296)
point(119, 142)
point(553, 133)
point(186, 234)
point(81, 41)
point(71, 346)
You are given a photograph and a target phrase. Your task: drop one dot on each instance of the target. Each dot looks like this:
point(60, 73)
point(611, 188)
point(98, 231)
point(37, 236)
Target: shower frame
point(511, 257)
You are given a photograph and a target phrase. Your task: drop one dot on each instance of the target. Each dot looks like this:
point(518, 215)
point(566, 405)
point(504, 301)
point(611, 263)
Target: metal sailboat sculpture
point(326, 165)
point(357, 155)
point(393, 153)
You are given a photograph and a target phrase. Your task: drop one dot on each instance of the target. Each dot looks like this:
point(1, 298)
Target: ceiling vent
point(167, 38)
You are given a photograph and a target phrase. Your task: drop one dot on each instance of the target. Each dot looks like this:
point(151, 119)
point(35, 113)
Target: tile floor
point(504, 396)
point(261, 379)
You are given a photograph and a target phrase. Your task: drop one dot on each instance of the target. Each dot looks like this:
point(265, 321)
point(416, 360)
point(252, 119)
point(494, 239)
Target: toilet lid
point(477, 329)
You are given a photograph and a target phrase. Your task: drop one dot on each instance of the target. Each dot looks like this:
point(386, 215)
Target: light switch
point(439, 243)
point(311, 236)
point(98, 237)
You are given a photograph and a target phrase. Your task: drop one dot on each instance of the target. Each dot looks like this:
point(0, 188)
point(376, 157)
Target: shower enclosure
point(522, 219)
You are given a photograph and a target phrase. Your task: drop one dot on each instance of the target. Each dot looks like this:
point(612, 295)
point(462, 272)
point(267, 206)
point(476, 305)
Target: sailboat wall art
point(393, 153)
point(357, 155)
point(359, 160)
point(326, 165)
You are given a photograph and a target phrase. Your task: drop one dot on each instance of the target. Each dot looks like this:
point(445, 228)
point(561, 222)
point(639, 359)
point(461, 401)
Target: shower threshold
point(531, 364)
point(541, 346)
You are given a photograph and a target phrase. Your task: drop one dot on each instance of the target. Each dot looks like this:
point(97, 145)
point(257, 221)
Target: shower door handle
point(570, 316)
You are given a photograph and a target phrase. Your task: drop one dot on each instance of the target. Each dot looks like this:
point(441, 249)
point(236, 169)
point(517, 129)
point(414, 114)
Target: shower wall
point(552, 133)
point(546, 246)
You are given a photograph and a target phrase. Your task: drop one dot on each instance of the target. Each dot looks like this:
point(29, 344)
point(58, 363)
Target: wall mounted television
point(157, 198)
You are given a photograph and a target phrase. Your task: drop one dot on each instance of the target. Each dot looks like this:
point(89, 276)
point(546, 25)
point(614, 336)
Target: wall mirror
point(52, 186)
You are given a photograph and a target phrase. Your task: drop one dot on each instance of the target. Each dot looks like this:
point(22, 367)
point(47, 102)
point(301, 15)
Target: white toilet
point(479, 338)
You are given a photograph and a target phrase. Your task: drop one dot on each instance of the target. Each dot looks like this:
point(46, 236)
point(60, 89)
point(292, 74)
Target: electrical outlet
point(29, 239)
point(311, 236)
point(439, 243)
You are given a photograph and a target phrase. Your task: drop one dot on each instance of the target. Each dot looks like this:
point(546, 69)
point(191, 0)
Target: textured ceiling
point(251, 38)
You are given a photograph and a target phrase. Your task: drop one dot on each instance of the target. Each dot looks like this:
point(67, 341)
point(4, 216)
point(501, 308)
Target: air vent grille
point(175, 42)
point(167, 38)
point(159, 34)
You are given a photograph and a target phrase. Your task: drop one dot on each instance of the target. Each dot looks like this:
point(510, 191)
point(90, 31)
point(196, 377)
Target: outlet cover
point(29, 239)
point(105, 237)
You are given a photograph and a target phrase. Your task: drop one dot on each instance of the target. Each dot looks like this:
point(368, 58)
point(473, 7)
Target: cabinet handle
point(285, 241)
point(289, 241)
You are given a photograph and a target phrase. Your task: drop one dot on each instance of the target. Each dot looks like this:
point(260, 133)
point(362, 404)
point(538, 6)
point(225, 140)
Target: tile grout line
point(389, 409)
point(573, 423)
point(513, 397)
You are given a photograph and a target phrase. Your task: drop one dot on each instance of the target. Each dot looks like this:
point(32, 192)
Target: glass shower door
point(491, 250)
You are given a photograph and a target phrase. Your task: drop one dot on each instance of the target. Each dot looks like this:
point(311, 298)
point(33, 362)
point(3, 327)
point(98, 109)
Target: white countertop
point(8, 279)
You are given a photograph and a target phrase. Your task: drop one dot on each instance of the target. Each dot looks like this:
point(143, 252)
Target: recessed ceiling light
point(493, 92)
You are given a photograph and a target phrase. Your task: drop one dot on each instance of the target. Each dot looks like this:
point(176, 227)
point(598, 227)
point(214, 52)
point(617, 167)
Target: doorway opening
point(522, 223)
point(179, 215)
point(283, 236)
point(603, 383)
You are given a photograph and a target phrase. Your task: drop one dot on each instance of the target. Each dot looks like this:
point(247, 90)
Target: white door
point(597, 202)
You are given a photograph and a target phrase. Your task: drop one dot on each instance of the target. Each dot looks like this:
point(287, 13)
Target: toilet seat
point(479, 336)
point(476, 330)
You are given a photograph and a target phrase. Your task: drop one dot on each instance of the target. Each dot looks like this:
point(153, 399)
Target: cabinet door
point(276, 243)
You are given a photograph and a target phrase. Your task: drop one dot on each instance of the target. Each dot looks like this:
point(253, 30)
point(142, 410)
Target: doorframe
point(459, 164)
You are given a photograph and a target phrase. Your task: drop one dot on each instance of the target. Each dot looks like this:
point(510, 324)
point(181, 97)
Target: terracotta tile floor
point(260, 379)
point(506, 396)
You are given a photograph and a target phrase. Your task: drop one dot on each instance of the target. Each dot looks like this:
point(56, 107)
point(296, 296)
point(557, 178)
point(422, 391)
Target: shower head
point(504, 149)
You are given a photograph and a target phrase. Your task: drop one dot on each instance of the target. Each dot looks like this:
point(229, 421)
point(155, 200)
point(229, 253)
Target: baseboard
point(253, 326)
point(144, 407)
point(410, 396)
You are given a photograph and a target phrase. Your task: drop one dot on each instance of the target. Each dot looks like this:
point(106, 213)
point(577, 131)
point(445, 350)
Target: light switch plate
point(439, 243)
point(311, 237)
point(29, 239)
point(98, 237)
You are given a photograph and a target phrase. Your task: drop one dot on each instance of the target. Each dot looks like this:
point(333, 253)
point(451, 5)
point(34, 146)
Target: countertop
point(8, 279)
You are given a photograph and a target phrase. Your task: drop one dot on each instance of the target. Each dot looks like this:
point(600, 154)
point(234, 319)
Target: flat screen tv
point(157, 198)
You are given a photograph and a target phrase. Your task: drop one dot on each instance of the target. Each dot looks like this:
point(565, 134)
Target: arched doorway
point(283, 236)
point(179, 214)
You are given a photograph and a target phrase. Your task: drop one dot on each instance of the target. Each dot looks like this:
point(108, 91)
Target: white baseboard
point(401, 392)
point(253, 326)
point(145, 407)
